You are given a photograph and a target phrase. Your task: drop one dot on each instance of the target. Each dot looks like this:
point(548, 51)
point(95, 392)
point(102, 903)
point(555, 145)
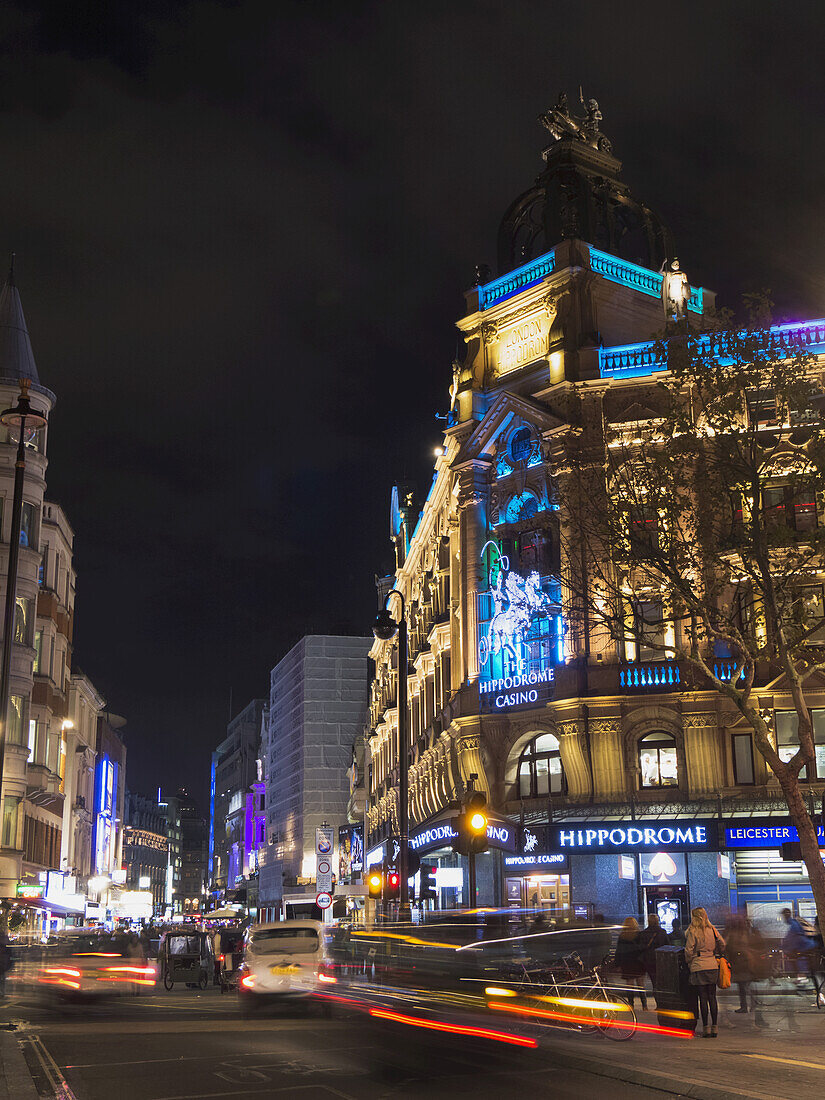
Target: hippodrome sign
point(441, 834)
point(612, 836)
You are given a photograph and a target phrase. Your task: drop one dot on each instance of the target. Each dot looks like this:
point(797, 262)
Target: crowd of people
point(749, 956)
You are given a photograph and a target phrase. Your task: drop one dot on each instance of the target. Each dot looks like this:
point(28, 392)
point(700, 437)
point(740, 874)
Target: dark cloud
point(243, 231)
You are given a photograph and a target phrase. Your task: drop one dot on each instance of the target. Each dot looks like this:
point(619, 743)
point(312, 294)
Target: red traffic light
point(393, 879)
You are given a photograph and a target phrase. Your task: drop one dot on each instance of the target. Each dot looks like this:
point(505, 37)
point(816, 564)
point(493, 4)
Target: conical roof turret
point(16, 355)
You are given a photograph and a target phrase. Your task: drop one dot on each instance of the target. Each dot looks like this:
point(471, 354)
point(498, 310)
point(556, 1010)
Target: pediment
point(507, 409)
point(634, 414)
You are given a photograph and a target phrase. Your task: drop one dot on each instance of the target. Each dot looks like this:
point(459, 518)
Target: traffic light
point(392, 885)
point(375, 884)
point(471, 826)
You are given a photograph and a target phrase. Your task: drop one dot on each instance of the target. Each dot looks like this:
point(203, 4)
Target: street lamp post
point(385, 628)
point(23, 418)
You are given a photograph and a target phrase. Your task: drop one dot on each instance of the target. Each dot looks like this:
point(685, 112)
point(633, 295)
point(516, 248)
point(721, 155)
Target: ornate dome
point(579, 195)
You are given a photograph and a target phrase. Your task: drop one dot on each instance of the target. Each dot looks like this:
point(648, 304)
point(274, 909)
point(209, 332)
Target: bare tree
point(694, 530)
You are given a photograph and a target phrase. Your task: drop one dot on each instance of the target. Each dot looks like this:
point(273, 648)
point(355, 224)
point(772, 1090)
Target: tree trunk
point(808, 839)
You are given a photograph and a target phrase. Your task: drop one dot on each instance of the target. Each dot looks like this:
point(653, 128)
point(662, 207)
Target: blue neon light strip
point(516, 281)
point(635, 277)
point(638, 360)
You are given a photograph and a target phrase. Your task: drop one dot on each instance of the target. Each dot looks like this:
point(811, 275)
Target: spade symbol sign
point(662, 867)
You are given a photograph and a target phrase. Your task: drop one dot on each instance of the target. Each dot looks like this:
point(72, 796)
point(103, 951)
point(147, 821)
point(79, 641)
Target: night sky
point(242, 233)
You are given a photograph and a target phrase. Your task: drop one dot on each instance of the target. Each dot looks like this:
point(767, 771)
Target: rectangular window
point(28, 534)
point(743, 773)
point(32, 740)
point(23, 620)
point(649, 628)
point(643, 530)
point(10, 810)
point(762, 408)
point(787, 740)
point(811, 612)
point(38, 652)
point(18, 718)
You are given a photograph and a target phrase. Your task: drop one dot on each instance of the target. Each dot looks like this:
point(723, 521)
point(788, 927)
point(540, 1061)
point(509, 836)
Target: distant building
point(234, 771)
point(317, 706)
point(146, 848)
point(187, 832)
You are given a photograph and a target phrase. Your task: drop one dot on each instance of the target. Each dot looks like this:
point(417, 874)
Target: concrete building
point(234, 770)
point(317, 707)
point(593, 745)
point(110, 796)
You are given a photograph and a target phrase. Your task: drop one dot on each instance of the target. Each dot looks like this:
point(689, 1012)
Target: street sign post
point(323, 875)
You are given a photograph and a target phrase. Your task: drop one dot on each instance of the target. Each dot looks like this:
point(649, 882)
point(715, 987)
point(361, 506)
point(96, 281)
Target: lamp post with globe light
point(25, 421)
point(385, 628)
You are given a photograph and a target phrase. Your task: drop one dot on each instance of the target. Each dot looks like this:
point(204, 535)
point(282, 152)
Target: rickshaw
point(185, 955)
point(232, 945)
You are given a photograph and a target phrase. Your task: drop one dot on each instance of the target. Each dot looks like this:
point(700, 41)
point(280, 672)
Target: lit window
point(540, 770)
point(787, 740)
point(657, 760)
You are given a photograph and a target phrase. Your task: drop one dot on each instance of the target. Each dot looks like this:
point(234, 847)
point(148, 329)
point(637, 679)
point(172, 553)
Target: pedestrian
point(816, 964)
point(703, 948)
point(677, 935)
point(650, 939)
point(796, 945)
point(629, 961)
point(745, 950)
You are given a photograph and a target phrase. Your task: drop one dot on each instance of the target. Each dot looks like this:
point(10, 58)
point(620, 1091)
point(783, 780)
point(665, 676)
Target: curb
point(15, 1079)
point(686, 1086)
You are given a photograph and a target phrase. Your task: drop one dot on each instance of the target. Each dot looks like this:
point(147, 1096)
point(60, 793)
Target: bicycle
point(568, 986)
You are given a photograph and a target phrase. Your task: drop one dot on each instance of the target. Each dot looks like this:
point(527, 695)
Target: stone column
point(573, 751)
point(472, 500)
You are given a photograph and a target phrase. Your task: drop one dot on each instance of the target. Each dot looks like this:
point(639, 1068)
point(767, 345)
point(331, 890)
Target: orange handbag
point(723, 981)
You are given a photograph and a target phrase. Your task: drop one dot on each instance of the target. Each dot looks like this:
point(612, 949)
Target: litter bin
point(676, 998)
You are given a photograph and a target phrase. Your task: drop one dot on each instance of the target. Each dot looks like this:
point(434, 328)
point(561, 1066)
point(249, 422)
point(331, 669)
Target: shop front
point(618, 869)
point(762, 883)
point(538, 879)
point(442, 881)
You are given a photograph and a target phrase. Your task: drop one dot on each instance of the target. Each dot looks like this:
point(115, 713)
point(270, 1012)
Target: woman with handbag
point(703, 948)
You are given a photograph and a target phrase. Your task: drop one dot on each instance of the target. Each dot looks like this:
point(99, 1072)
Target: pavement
point(190, 1045)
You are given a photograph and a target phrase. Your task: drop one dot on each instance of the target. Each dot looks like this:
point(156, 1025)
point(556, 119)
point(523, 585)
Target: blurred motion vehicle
point(84, 966)
point(185, 955)
point(284, 959)
point(231, 957)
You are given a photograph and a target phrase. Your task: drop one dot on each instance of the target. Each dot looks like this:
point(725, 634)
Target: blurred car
point(284, 959)
point(84, 966)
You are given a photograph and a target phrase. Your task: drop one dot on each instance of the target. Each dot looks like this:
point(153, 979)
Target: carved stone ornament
point(605, 726)
point(571, 728)
point(699, 721)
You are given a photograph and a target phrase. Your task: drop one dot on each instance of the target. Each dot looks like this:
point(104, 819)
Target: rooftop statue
point(675, 291)
point(563, 124)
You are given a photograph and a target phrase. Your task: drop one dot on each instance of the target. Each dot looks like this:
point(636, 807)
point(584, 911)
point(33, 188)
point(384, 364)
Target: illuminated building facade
point(582, 743)
point(235, 768)
point(317, 707)
point(146, 848)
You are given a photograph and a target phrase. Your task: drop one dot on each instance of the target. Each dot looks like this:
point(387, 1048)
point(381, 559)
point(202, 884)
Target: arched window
point(657, 760)
point(520, 445)
point(539, 770)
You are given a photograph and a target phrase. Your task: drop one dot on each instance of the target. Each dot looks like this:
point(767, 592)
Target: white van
point(283, 959)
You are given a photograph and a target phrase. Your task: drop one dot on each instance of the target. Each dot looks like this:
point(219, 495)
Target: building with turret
point(617, 790)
